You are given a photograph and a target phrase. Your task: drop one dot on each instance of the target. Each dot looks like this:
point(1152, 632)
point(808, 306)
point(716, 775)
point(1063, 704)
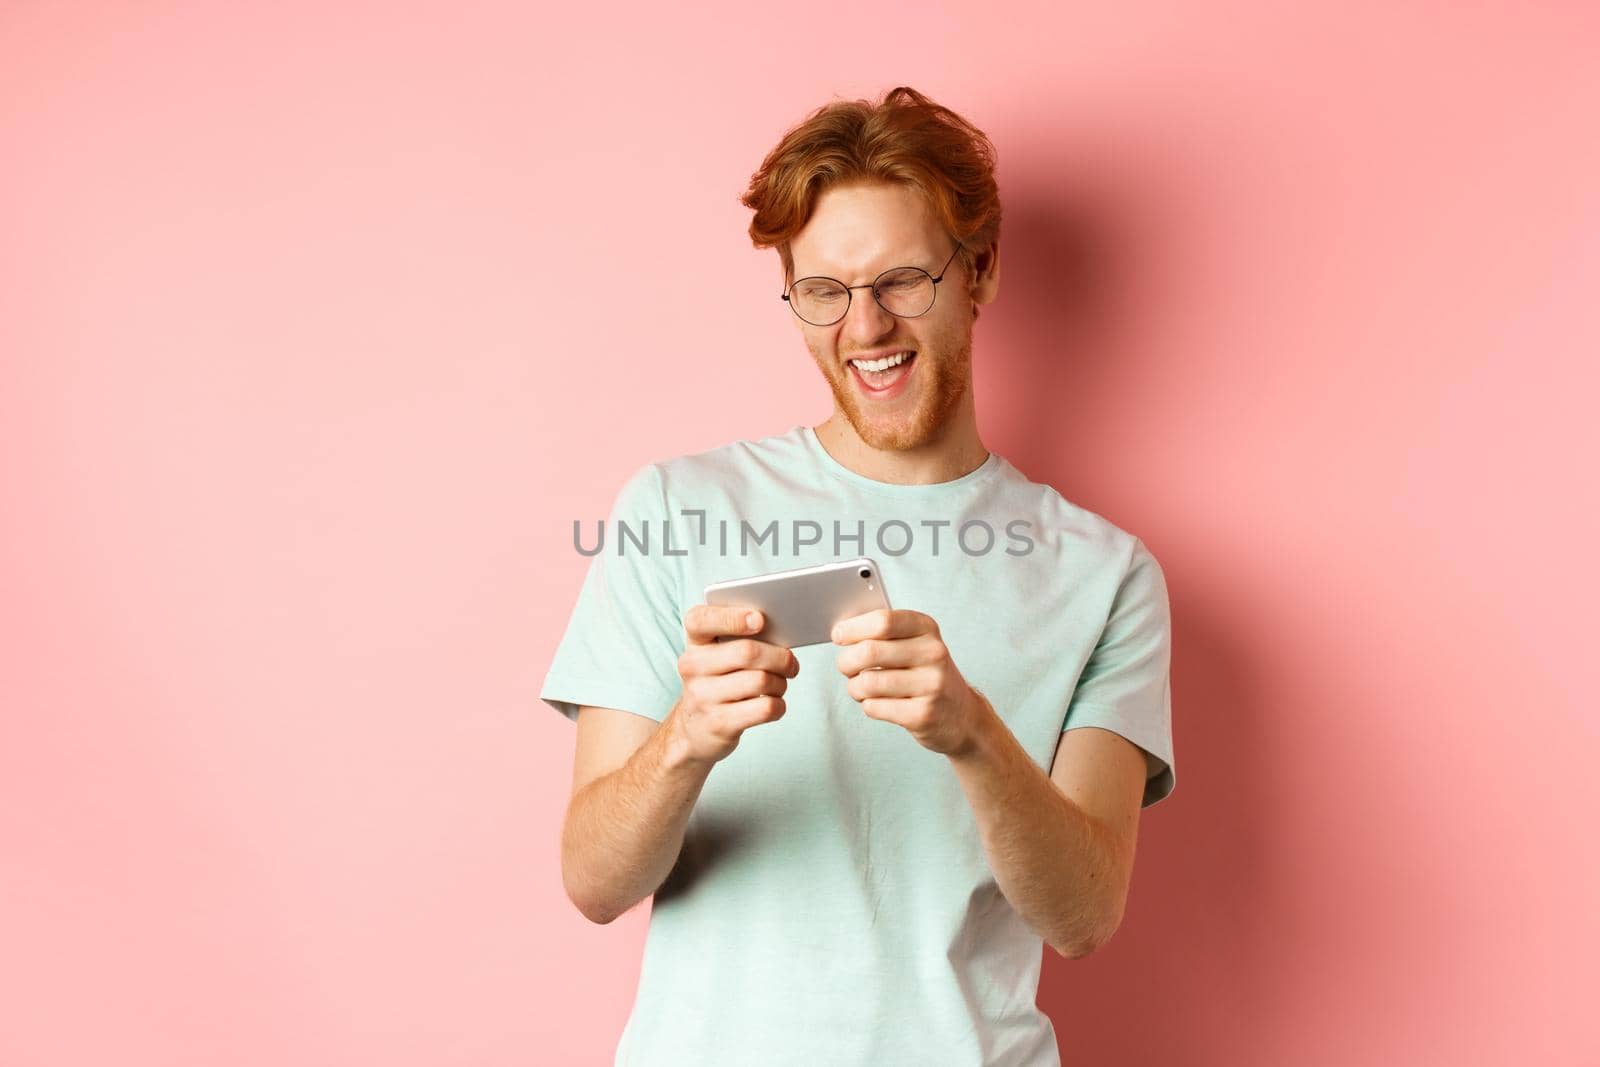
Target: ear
point(784, 267)
point(986, 274)
point(783, 286)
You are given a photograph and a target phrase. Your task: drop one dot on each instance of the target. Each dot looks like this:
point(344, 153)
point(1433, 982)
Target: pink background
point(320, 326)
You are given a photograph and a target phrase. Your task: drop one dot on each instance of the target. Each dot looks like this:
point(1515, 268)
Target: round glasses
point(903, 291)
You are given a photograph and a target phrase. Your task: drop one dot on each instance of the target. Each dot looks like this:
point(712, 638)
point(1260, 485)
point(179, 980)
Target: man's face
point(855, 233)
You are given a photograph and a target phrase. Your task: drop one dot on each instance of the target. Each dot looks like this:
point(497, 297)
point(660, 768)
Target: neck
point(954, 449)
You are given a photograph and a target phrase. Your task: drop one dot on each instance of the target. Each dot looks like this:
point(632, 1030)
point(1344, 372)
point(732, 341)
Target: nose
point(865, 321)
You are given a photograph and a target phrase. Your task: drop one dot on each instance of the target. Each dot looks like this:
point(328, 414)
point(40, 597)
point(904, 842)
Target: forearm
point(624, 830)
point(1053, 862)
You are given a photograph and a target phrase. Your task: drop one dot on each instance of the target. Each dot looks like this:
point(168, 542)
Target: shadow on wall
point(1080, 275)
point(1053, 327)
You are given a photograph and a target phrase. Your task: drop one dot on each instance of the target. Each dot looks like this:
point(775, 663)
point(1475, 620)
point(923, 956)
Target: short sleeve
point(623, 639)
point(1126, 685)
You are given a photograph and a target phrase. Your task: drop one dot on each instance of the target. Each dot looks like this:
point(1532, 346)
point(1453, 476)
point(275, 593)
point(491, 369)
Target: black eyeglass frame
point(873, 285)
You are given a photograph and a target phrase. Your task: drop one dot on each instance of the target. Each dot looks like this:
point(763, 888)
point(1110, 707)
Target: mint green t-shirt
point(832, 903)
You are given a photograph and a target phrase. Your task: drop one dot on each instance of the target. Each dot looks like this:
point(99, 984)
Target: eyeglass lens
point(905, 291)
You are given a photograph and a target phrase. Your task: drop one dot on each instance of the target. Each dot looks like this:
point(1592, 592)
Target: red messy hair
point(905, 138)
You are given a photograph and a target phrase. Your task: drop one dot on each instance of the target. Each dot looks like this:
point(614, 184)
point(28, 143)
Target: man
point(855, 849)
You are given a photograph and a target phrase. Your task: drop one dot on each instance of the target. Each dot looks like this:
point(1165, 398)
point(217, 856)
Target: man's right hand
point(728, 685)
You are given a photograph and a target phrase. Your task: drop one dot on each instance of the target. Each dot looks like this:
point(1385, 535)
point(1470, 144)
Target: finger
point(910, 682)
point(740, 685)
point(704, 623)
point(890, 623)
point(876, 652)
point(753, 712)
point(745, 652)
point(889, 709)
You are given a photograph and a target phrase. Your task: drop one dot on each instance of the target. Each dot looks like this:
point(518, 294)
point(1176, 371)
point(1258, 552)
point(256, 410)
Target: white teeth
point(882, 364)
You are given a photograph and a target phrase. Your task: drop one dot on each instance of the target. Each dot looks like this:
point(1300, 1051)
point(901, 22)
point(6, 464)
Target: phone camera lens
point(866, 572)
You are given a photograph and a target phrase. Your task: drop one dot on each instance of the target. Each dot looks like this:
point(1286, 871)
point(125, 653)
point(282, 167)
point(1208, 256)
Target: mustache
point(909, 348)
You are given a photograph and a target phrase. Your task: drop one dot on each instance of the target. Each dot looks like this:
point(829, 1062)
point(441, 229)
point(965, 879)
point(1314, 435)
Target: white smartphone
point(800, 606)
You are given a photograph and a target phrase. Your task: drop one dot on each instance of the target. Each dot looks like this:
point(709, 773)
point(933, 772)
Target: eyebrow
point(908, 262)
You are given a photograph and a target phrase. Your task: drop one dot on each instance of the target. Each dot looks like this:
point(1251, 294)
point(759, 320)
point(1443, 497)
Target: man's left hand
point(915, 684)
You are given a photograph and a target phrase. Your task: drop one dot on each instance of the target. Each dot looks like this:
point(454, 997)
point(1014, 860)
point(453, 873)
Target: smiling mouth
point(886, 374)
